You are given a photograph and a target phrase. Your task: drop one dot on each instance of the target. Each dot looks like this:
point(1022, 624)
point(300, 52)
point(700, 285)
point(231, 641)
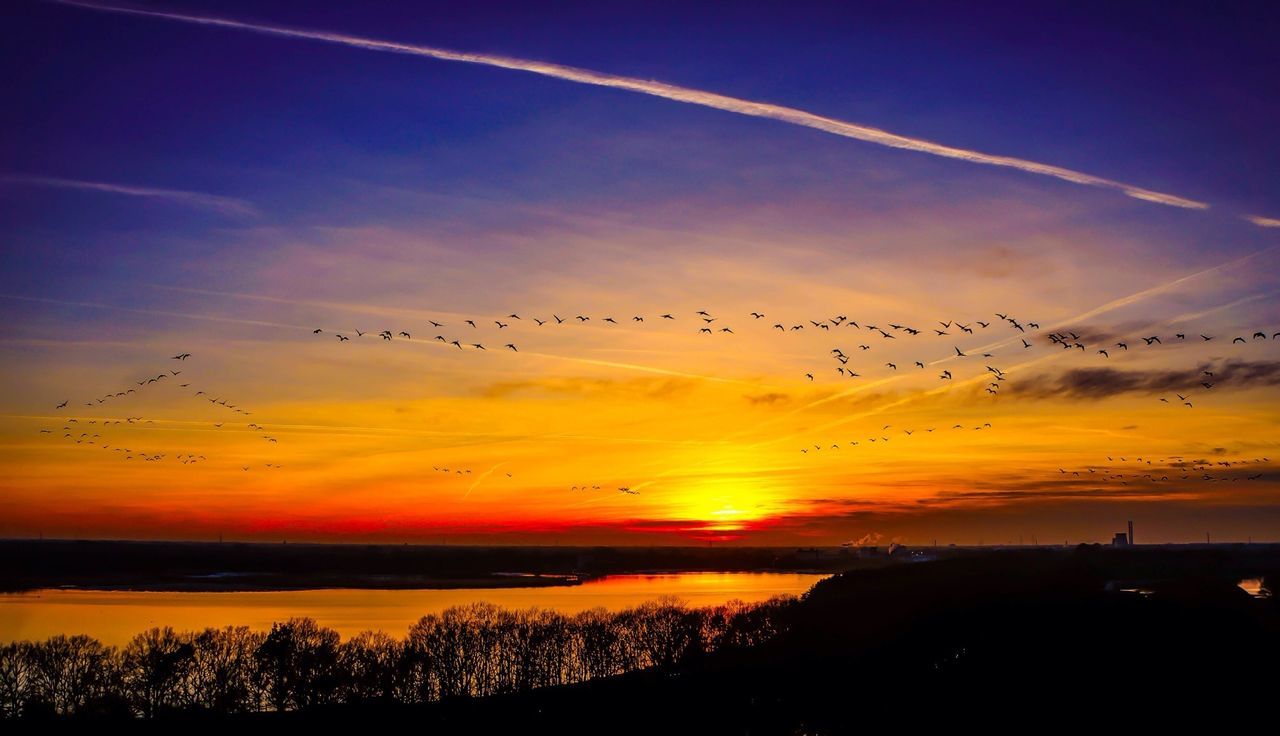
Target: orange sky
point(722, 436)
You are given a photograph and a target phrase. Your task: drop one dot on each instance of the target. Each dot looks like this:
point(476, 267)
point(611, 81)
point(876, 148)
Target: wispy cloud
point(228, 206)
point(1263, 221)
point(676, 93)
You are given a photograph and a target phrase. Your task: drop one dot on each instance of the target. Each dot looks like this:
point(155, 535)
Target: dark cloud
point(1097, 383)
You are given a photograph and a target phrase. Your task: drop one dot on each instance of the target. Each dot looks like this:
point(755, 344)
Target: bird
point(540, 322)
point(471, 322)
point(559, 321)
point(316, 331)
point(919, 364)
point(1104, 353)
point(1025, 344)
point(891, 365)
point(435, 324)
point(513, 347)
point(959, 354)
point(61, 406)
point(184, 356)
point(499, 324)
point(809, 376)
point(667, 316)
point(1238, 339)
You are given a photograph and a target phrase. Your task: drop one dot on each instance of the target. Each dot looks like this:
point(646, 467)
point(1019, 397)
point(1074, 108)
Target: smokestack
point(1131, 534)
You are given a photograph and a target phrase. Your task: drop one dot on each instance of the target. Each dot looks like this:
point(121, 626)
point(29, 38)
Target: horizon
point(758, 278)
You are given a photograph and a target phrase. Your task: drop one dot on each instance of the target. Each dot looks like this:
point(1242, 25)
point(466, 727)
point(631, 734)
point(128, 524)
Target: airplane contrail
point(483, 475)
point(673, 92)
point(222, 205)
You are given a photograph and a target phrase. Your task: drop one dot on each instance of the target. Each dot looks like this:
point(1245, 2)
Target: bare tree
point(156, 670)
point(224, 670)
point(15, 679)
point(71, 673)
point(298, 662)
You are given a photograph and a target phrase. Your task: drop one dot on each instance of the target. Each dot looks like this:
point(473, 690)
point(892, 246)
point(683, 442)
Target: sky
point(1075, 174)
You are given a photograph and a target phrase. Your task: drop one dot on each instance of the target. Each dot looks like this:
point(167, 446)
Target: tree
point(156, 671)
point(224, 670)
point(15, 679)
point(298, 663)
point(370, 663)
point(70, 674)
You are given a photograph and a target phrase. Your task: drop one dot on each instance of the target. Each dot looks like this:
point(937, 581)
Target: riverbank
point(245, 567)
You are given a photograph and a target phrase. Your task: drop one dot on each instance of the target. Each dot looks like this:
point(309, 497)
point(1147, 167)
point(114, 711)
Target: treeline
point(473, 650)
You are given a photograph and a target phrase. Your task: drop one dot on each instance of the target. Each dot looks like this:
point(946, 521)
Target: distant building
point(1120, 540)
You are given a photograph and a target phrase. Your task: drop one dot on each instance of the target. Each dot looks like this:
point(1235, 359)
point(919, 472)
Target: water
point(1253, 586)
point(113, 617)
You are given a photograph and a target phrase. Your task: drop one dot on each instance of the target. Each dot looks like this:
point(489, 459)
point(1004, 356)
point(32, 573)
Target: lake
point(113, 617)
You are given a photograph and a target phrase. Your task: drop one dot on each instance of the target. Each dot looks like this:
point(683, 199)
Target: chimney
point(1131, 534)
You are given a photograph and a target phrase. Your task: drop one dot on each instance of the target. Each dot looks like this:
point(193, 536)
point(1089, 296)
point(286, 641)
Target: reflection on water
point(114, 617)
point(1253, 586)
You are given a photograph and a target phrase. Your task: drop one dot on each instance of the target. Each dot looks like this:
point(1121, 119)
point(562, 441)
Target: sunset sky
point(170, 185)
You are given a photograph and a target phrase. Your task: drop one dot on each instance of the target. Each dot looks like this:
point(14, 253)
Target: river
point(113, 617)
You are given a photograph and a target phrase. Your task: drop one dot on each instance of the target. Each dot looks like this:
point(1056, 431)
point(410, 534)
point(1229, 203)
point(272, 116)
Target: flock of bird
point(1025, 334)
point(1166, 469)
point(142, 386)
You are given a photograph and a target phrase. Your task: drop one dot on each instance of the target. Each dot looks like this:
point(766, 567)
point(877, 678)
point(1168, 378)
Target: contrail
point(483, 475)
point(154, 312)
point(676, 93)
point(222, 205)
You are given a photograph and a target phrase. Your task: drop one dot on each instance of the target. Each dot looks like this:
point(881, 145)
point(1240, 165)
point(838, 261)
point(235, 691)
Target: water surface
point(113, 617)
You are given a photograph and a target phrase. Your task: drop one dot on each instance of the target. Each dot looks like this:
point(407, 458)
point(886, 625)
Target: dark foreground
point(1024, 639)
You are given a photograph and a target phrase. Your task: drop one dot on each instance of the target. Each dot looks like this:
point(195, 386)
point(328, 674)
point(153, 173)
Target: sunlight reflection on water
point(115, 616)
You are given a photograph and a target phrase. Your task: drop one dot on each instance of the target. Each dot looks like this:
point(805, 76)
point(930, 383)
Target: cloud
point(227, 206)
point(676, 93)
point(644, 388)
point(1098, 383)
point(1263, 221)
point(768, 398)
